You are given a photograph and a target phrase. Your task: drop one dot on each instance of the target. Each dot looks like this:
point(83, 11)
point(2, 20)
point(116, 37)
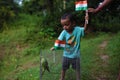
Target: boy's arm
point(86, 21)
point(60, 39)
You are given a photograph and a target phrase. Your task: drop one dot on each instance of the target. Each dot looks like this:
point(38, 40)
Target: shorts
point(74, 62)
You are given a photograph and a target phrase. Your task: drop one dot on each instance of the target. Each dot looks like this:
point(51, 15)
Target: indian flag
point(59, 44)
point(81, 5)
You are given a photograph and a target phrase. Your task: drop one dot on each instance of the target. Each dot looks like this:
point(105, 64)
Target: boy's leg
point(76, 67)
point(77, 75)
point(62, 75)
point(65, 66)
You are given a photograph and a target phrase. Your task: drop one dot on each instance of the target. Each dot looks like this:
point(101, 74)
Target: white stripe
point(59, 45)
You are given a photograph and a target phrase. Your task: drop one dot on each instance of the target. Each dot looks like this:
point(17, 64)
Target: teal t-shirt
point(72, 46)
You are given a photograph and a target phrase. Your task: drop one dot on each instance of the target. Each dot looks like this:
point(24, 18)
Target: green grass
point(90, 61)
point(113, 51)
point(24, 64)
point(22, 46)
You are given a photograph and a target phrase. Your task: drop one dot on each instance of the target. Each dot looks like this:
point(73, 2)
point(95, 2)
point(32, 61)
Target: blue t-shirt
point(72, 46)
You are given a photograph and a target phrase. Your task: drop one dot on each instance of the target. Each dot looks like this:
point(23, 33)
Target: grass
point(23, 64)
point(21, 48)
point(90, 61)
point(113, 51)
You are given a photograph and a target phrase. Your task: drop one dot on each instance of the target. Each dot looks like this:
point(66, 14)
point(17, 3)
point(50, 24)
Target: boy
point(71, 35)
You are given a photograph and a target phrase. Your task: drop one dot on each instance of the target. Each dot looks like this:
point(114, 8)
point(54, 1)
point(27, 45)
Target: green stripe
point(58, 48)
point(81, 8)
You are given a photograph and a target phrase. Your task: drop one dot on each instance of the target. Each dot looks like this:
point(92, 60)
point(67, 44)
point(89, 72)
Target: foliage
point(107, 19)
point(23, 62)
point(36, 6)
point(106, 22)
point(113, 51)
point(53, 9)
point(8, 11)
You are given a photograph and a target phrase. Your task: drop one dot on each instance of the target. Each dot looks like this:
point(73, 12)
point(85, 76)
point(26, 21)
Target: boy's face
point(67, 25)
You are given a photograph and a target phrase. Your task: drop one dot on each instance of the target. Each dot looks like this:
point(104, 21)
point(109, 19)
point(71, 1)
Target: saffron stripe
point(60, 42)
point(81, 2)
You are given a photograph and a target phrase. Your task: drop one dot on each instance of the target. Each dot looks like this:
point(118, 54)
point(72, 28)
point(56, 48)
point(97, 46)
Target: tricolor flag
point(81, 5)
point(59, 44)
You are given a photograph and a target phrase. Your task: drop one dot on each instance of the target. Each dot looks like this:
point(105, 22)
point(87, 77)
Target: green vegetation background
point(22, 44)
point(26, 32)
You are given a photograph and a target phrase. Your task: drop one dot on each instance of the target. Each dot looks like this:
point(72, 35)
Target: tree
point(35, 6)
point(8, 11)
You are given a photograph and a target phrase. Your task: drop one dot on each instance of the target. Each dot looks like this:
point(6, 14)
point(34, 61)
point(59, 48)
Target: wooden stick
point(40, 66)
point(54, 56)
point(86, 14)
point(64, 4)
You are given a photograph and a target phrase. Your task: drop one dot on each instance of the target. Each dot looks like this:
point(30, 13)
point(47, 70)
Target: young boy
point(71, 35)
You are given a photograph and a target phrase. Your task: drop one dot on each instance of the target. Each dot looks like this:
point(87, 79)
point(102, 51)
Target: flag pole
point(40, 66)
point(64, 4)
point(86, 14)
point(54, 56)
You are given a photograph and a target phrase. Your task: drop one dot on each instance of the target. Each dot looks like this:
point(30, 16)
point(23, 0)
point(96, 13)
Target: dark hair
point(70, 16)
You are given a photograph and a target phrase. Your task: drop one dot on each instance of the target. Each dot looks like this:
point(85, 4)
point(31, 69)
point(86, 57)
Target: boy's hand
point(52, 49)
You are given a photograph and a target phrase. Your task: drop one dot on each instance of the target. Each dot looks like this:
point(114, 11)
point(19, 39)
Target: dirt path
point(104, 58)
point(2, 52)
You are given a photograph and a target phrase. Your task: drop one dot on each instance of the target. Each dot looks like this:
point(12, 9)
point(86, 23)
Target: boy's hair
point(70, 16)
